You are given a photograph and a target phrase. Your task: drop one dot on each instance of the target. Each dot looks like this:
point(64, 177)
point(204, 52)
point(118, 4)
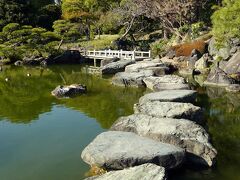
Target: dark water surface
point(42, 137)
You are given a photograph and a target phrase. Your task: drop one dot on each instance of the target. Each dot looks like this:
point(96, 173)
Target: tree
point(85, 12)
point(226, 21)
point(47, 15)
point(173, 14)
point(14, 11)
point(77, 10)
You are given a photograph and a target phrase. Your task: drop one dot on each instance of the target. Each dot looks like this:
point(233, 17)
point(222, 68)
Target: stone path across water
point(170, 96)
point(118, 150)
point(170, 110)
point(179, 132)
point(163, 126)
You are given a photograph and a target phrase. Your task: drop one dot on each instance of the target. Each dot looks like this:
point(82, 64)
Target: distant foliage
point(47, 15)
point(17, 11)
point(226, 21)
point(68, 30)
point(17, 42)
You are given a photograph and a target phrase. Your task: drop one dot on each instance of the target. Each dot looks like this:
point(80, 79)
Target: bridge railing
point(119, 54)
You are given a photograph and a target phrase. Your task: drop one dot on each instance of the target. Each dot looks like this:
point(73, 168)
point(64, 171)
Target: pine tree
point(226, 21)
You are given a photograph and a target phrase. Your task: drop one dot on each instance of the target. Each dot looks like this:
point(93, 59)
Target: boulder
point(170, 96)
point(233, 88)
point(167, 82)
point(32, 60)
point(146, 171)
point(106, 61)
point(171, 54)
point(217, 77)
point(18, 63)
point(69, 56)
point(69, 91)
point(179, 132)
point(233, 65)
point(143, 65)
point(202, 64)
point(134, 79)
point(118, 150)
point(116, 67)
point(170, 110)
point(160, 71)
point(223, 52)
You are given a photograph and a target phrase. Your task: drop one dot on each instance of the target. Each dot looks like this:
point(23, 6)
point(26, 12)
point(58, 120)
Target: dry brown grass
point(185, 49)
point(95, 171)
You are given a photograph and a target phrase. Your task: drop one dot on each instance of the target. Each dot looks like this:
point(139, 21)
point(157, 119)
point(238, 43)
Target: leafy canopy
point(226, 21)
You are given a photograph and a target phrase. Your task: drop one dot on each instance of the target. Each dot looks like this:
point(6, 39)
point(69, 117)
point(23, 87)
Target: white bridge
point(128, 55)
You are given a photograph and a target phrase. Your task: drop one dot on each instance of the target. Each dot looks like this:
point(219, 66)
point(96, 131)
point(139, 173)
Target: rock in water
point(202, 64)
point(233, 65)
point(217, 77)
point(119, 150)
point(134, 79)
point(167, 82)
point(68, 91)
point(233, 88)
point(115, 67)
point(139, 66)
point(170, 96)
point(143, 172)
point(170, 110)
point(179, 132)
point(108, 61)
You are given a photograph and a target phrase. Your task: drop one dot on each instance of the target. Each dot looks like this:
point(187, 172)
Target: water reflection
point(24, 98)
point(222, 111)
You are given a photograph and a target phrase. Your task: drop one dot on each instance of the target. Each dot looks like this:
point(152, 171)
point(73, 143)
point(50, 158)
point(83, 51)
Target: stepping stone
point(143, 172)
point(118, 150)
point(179, 132)
point(170, 96)
point(167, 82)
point(139, 66)
point(134, 79)
point(170, 110)
point(115, 67)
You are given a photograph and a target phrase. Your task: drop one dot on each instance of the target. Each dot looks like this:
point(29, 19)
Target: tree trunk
point(165, 34)
point(88, 30)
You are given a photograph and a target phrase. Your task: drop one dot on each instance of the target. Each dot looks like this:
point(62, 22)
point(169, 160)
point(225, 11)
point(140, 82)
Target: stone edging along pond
point(164, 132)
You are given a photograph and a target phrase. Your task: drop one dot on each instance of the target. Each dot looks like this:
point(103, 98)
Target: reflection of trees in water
point(23, 98)
point(224, 123)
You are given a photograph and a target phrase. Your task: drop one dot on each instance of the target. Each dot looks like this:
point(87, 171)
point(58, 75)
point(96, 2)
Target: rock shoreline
point(165, 129)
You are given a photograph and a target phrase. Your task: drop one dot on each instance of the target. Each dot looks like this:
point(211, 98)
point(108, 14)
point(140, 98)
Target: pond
point(42, 137)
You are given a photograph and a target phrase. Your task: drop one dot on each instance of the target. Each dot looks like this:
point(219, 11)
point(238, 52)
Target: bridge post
point(133, 56)
point(105, 53)
point(95, 62)
point(149, 53)
point(94, 53)
point(121, 53)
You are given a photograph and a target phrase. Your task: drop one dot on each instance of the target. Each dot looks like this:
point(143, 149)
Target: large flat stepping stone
point(118, 150)
point(166, 82)
point(115, 67)
point(143, 172)
point(179, 132)
point(139, 66)
point(134, 79)
point(170, 96)
point(170, 110)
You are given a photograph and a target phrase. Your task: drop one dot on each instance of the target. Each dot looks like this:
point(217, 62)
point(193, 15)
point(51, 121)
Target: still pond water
point(42, 137)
